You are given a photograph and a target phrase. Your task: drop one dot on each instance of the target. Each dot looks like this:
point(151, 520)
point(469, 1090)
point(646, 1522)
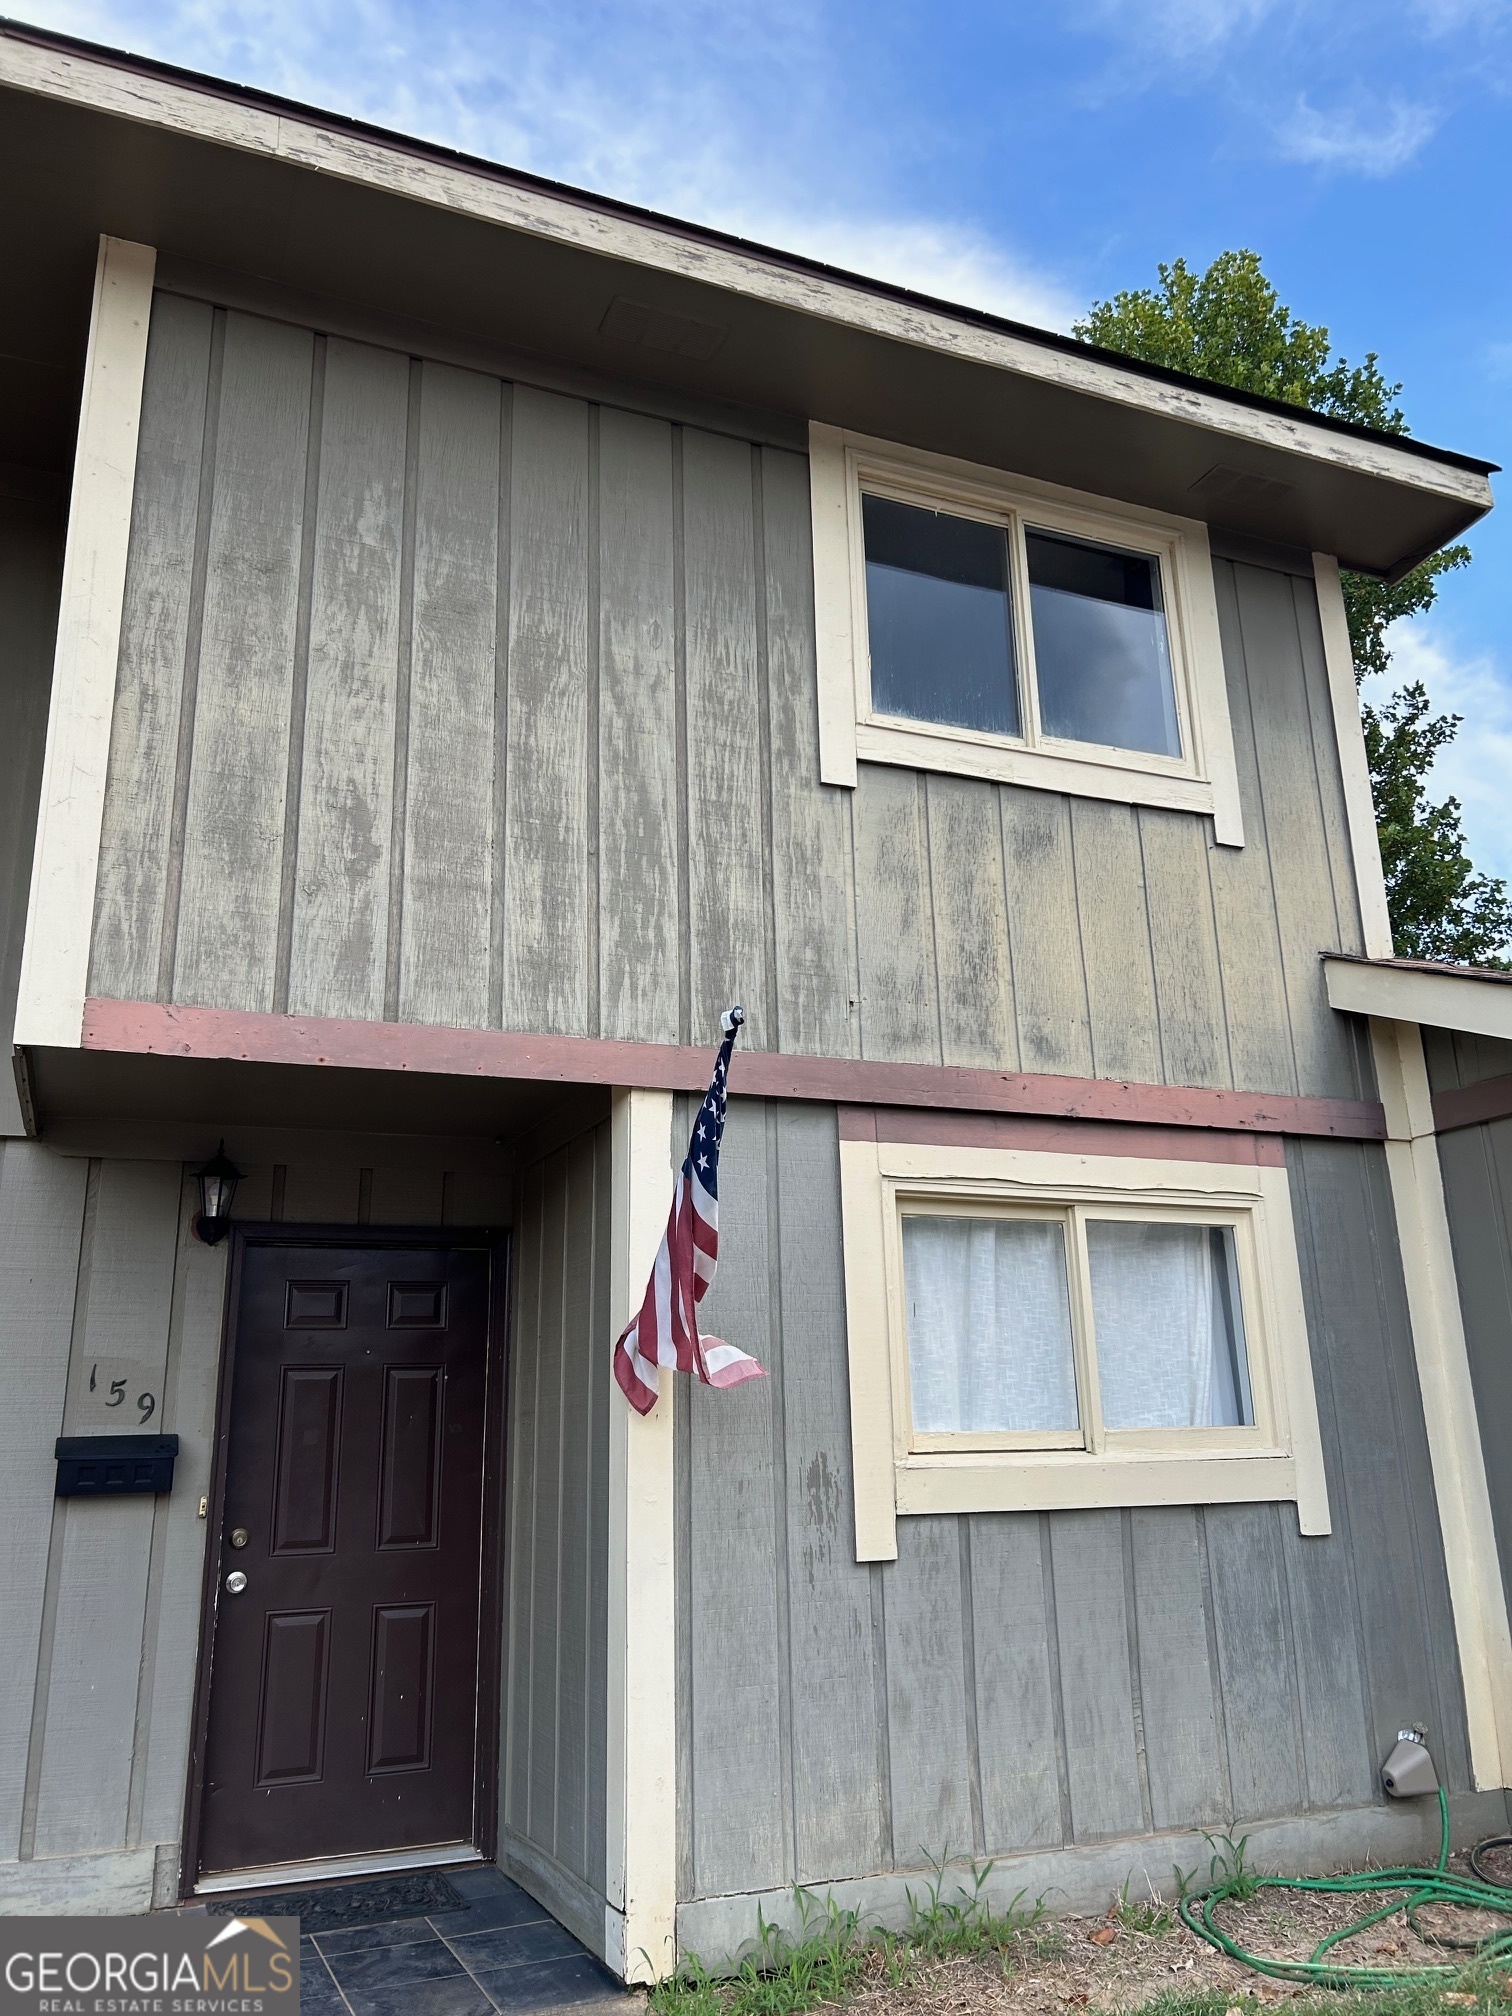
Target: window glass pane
point(989, 1324)
point(938, 613)
point(1101, 655)
point(1170, 1333)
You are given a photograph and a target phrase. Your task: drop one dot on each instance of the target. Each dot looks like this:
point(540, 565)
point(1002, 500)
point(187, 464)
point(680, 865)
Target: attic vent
point(655, 329)
point(1236, 487)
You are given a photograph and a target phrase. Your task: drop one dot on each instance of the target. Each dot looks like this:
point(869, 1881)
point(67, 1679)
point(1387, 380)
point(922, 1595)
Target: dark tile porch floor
point(500, 1951)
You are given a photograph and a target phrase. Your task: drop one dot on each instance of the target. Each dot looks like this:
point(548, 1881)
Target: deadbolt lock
point(239, 1536)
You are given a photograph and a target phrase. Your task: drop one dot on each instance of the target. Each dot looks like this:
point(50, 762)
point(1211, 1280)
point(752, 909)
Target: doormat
point(413, 1895)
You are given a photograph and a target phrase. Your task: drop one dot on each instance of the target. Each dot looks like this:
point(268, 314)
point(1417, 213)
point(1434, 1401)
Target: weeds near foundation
point(1149, 1916)
point(1230, 1865)
point(782, 1976)
point(825, 1959)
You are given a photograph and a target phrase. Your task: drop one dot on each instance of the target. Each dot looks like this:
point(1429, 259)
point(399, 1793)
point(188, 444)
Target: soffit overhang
point(330, 211)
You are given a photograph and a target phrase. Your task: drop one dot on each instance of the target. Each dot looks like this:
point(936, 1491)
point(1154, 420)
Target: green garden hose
point(1437, 1885)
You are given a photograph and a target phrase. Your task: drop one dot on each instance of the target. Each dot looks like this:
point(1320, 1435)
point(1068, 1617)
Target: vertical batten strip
point(1359, 807)
point(641, 1860)
point(832, 605)
point(60, 912)
point(1471, 1553)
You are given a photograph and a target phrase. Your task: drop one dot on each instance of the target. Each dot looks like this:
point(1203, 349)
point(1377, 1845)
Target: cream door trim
point(641, 1864)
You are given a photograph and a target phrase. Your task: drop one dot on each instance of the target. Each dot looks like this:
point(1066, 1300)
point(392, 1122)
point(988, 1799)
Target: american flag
point(666, 1330)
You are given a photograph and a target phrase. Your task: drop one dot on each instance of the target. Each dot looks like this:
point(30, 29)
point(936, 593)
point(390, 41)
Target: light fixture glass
point(217, 1187)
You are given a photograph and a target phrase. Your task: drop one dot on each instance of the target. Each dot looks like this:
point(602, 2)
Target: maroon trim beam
point(146, 1028)
point(1469, 1105)
point(913, 1126)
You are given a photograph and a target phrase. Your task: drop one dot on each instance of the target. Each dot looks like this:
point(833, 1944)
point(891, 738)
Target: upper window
point(1030, 1330)
point(972, 622)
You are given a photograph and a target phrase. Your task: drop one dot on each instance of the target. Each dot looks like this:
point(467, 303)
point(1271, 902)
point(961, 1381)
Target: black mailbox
point(108, 1466)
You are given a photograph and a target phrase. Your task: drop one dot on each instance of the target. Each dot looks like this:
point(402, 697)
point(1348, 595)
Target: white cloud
point(950, 261)
point(1181, 31)
point(721, 115)
point(1451, 17)
point(1351, 142)
point(1477, 766)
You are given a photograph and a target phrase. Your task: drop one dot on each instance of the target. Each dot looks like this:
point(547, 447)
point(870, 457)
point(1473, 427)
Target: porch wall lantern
point(217, 1186)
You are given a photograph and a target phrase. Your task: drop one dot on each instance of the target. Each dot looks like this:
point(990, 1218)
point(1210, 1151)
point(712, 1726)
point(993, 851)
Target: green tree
point(1229, 324)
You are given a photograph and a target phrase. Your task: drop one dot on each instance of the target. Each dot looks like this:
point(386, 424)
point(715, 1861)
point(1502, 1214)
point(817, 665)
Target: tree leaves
point(1230, 325)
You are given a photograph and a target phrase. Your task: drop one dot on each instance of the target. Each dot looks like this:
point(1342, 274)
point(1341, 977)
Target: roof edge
point(255, 99)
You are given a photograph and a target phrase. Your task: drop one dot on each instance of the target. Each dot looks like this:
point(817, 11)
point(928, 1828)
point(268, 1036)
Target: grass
point(824, 1961)
point(1476, 1985)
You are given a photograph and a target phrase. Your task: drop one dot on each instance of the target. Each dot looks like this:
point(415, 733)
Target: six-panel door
point(344, 1676)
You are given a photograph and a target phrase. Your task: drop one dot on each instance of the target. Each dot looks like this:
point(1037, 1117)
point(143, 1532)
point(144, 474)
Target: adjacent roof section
point(1476, 999)
point(342, 215)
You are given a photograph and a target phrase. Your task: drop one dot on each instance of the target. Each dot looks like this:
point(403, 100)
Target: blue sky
point(1024, 157)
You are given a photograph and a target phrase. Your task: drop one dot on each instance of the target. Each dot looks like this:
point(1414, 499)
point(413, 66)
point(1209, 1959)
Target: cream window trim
point(1204, 779)
point(898, 1472)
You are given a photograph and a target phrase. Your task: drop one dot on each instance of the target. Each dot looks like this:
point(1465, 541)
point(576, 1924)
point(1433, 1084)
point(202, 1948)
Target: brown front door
point(343, 1691)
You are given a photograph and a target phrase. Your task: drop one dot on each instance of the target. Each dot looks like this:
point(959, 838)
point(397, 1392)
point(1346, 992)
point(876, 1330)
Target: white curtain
point(1166, 1355)
point(989, 1324)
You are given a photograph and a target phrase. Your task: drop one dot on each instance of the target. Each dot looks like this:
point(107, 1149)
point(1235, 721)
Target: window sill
point(1042, 1481)
point(1123, 782)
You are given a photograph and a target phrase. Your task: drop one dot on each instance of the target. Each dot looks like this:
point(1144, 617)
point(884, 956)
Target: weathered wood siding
point(31, 558)
point(101, 1600)
point(1019, 1682)
point(1477, 1168)
point(556, 1549)
point(450, 700)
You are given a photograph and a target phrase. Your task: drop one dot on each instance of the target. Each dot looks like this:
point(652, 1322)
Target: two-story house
point(458, 634)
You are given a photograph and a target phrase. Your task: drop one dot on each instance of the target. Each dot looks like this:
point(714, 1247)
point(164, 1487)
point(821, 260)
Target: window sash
point(1014, 521)
point(1092, 1438)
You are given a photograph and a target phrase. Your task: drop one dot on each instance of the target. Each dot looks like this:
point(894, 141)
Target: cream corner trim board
point(1471, 1555)
point(897, 1473)
point(1204, 779)
point(641, 1868)
point(1359, 807)
point(60, 913)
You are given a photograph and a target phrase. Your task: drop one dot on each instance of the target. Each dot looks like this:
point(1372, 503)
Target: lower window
point(1031, 1330)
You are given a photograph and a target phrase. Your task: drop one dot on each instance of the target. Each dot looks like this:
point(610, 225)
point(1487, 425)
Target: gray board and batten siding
point(1052, 1685)
point(1477, 1169)
point(101, 1598)
point(457, 701)
point(555, 1701)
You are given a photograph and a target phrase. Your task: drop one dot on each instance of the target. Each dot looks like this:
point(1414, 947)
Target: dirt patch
point(1069, 1965)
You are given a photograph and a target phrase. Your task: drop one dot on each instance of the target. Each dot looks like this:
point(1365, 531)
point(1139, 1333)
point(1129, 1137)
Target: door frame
point(379, 1238)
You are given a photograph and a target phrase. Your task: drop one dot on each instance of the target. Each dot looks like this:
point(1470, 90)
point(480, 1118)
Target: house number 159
point(145, 1403)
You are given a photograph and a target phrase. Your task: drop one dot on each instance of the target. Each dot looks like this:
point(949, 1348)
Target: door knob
point(236, 1582)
